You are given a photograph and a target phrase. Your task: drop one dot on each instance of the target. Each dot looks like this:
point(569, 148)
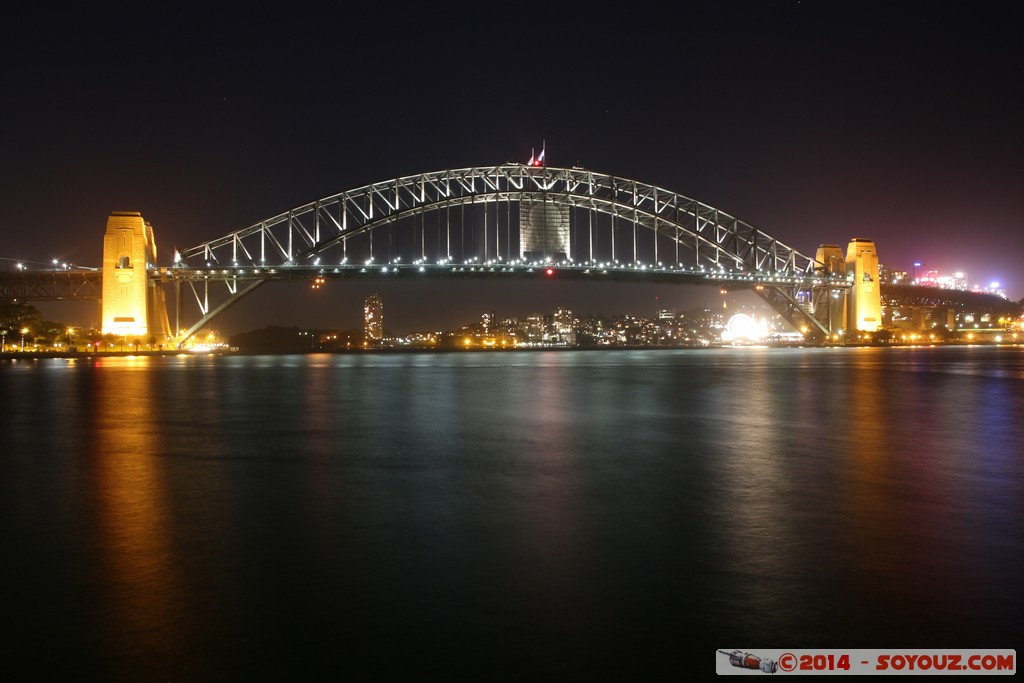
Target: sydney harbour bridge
point(511, 221)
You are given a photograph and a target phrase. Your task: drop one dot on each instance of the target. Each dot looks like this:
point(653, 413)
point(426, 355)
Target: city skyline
point(906, 318)
point(407, 315)
point(818, 125)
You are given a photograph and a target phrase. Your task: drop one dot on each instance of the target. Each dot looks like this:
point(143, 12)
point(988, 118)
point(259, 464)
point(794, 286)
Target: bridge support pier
point(865, 304)
point(133, 305)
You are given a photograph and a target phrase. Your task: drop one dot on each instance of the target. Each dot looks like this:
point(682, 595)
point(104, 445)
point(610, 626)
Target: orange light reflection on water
point(131, 516)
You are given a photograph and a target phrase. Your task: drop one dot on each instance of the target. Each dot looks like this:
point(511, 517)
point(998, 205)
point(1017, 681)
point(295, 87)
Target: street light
point(24, 331)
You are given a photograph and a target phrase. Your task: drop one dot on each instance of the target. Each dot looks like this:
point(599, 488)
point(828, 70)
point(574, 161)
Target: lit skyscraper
point(373, 319)
point(564, 325)
point(535, 326)
point(488, 322)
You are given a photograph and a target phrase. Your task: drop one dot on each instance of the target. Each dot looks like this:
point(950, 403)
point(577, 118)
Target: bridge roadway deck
point(51, 284)
point(589, 272)
point(58, 284)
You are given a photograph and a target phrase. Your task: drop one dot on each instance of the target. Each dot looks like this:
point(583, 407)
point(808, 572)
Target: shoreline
point(36, 355)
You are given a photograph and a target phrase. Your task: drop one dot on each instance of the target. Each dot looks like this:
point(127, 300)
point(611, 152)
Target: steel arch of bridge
point(320, 237)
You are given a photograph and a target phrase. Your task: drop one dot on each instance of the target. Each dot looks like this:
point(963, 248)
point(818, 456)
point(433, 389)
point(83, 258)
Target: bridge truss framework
point(52, 285)
point(464, 223)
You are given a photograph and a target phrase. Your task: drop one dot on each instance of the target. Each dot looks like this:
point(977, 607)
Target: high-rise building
point(562, 319)
point(535, 326)
point(373, 319)
point(543, 230)
point(488, 322)
point(864, 307)
point(564, 326)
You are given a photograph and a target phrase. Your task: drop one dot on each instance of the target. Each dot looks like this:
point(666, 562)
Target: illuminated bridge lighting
point(469, 223)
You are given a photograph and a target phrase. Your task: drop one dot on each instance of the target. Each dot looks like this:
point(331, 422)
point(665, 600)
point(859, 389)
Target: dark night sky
point(816, 122)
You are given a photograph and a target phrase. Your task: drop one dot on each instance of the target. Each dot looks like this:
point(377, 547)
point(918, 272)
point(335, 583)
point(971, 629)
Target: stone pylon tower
point(132, 305)
point(830, 304)
point(864, 308)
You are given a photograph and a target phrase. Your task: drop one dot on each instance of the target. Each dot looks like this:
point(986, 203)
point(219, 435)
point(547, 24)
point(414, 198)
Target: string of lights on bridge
point(547, 268)
point(55, 264)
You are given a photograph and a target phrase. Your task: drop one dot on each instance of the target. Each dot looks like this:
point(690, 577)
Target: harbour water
point(520, 516)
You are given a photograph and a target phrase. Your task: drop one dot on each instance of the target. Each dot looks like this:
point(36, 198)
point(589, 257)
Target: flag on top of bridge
point(537, 159)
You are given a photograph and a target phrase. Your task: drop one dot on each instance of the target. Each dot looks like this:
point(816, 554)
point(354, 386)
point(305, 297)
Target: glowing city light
point(744, 328)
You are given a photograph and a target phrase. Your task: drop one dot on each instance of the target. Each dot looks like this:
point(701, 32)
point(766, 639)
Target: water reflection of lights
point(132, 514)
point(208, 348)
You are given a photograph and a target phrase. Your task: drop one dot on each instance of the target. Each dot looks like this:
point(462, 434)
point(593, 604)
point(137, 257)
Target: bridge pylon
point(829, 303)
point(133, 304)
point(864, 311)
point(857, 307)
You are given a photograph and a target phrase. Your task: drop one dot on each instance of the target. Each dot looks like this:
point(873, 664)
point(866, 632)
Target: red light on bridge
point(537, 160)
point(549, 272)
